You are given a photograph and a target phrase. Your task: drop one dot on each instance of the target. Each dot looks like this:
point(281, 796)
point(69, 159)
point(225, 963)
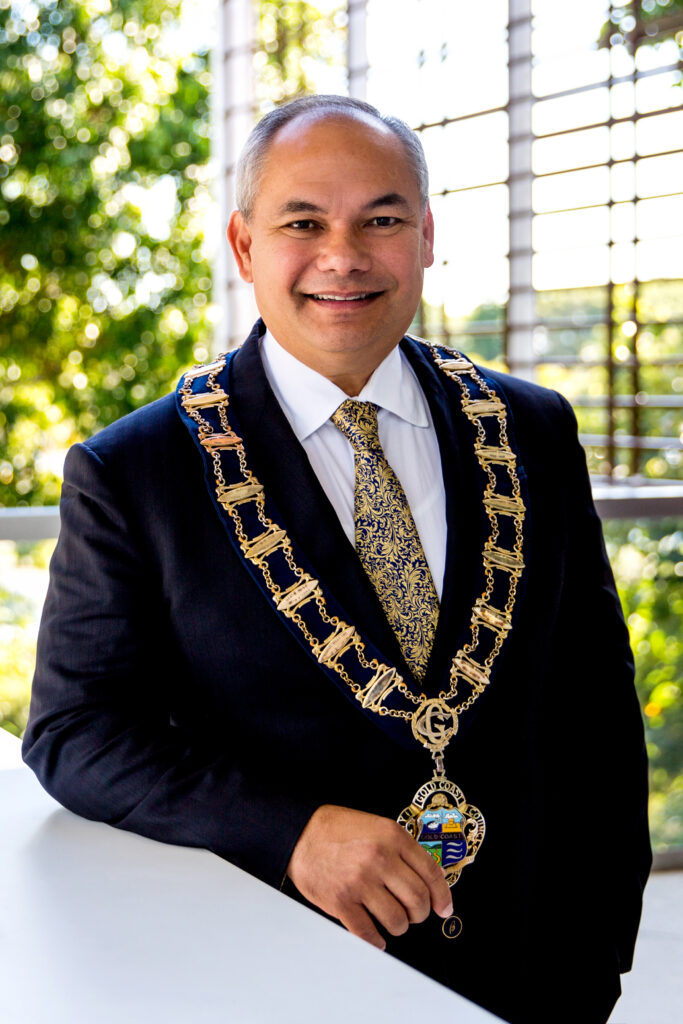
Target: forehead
point(328, 153)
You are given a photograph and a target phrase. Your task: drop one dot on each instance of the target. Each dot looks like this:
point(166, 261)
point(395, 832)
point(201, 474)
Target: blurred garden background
point(555, 141)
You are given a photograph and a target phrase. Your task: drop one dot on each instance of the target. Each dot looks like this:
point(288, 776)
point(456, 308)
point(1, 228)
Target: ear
point(428, 237)
point(239, 237)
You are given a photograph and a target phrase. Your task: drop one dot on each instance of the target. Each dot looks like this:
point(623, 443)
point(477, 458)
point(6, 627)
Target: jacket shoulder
point(144, 452)
point(156, 422)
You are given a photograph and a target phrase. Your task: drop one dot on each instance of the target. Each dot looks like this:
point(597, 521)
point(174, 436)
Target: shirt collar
point(393, 387)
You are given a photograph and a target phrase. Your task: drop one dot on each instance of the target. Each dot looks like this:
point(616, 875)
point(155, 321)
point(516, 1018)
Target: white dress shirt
point(406, 432)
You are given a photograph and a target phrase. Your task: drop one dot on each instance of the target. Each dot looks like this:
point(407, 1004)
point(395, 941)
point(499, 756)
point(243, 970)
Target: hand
point(353, 865)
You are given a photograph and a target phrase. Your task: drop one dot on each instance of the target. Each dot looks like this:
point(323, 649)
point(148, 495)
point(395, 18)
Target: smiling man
point(340, 610)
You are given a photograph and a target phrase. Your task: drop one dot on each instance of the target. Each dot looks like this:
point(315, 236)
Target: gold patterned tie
point(387, 540)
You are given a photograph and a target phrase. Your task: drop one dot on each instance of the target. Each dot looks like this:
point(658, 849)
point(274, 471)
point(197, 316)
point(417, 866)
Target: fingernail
point(446, 911)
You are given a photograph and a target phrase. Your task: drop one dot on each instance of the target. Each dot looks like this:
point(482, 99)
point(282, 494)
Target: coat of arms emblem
point(441, 832)
point(445, 825)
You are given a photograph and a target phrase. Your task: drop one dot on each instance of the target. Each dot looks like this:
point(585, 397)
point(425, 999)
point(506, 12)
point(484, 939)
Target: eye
point(302, 225)
point(384, 222)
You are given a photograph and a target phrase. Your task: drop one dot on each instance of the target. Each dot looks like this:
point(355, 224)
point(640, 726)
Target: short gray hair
point(253, 156)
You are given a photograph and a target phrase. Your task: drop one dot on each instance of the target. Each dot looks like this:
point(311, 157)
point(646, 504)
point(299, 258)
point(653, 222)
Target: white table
point(99, 926)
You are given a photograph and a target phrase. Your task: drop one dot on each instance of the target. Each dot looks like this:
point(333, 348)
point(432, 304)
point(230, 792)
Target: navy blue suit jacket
point(171, 701)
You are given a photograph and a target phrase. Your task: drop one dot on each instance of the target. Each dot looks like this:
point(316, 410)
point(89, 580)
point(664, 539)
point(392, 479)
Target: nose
point(343, 251)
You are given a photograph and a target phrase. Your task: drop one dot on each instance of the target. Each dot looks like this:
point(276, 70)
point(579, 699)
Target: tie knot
point(358, 422)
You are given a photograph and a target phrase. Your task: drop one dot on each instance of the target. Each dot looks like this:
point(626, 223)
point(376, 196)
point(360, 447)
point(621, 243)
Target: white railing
point(29, 523)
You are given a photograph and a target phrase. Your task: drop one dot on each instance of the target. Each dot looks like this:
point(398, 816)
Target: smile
point(356, 297)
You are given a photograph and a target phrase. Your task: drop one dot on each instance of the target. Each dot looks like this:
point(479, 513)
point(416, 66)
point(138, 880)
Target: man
point(219, 667)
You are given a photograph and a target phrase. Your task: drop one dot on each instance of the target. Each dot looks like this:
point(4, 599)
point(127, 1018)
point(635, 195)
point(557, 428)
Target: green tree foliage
point(648, 562)
point(643, 361)
point(103, 169)
point(295, 40)
point(643, 21)
point(481, 334)
point(18, 627)
point(17, 654)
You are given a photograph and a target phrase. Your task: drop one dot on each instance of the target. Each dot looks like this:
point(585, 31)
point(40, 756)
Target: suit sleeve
point(602, 772)
point(101, 735)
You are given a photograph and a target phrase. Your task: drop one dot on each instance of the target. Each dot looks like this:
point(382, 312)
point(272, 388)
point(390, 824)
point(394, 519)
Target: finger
point(388, 911)
point(411, 891)
point(432, 875)
point(357, 921)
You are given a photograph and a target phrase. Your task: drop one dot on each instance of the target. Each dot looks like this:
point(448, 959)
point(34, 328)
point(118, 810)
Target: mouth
point(343, 300)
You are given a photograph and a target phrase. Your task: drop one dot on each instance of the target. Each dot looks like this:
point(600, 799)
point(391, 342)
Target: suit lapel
point(464, 519)
point(281, 464)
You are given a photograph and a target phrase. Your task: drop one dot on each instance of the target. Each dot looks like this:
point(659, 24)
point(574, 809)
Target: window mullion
point(520, 310)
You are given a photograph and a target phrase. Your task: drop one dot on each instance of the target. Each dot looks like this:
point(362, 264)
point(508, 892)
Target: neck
point(351, 384)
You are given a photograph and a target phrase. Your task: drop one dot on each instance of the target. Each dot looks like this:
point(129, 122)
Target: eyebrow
point(304, 206)
point(390, 199)
point(299, 206)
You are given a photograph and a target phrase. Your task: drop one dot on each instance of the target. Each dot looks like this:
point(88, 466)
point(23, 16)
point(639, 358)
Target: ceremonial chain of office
point(308, 609)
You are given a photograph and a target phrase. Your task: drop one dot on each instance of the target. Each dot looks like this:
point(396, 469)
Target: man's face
point(337, 243)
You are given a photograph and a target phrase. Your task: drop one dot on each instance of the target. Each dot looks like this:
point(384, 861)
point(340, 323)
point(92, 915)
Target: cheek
point(408, 269)
point(404, 258)
point(278, 267)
